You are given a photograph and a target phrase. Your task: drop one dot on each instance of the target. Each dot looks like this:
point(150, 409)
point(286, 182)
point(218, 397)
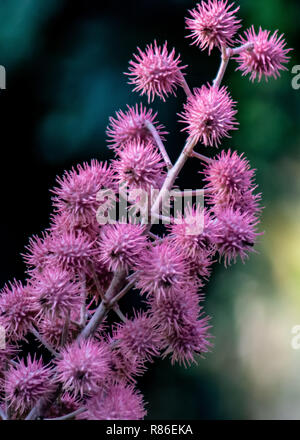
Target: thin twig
point(237, 50)
point(185, 85)
point(118, 311)
point(172, 174)
point(42, 340)
point(223, 65)
point(159, 143)
point(122, 293)
point(104, 307)
point(70, 415)
point(201, 157)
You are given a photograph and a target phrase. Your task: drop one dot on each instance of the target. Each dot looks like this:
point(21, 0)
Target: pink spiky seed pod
point(155, 71)
point(267, 57)
point(6, 354)
point(27, 383)
point(209, 115)
point(195, 230)
point(162, 268)
point(52, 330)
point(72, 250)
point(238, 234)
point(183, 328)
point(138, 337)
point(213, 24)
point(190, 340)
point(120, 402)
point(56, 291)
point(76, 193)
point(130, 126)
point(17, 311)
point(121, 245)
point(83, 367)
point(37, 252)
point(227, 175)
point(139, 165)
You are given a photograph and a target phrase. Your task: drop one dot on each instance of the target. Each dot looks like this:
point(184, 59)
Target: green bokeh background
point(64, 62)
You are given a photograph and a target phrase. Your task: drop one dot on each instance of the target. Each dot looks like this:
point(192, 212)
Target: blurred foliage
point(64, 62)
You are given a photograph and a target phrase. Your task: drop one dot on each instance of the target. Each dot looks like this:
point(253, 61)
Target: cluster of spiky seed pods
point(78, 269)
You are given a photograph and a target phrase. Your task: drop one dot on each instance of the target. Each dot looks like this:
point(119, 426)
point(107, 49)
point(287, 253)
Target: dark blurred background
point(64, 62)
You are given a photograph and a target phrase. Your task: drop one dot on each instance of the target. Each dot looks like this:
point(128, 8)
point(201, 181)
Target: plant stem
point(237, 50)
point(201, 157)
point(185, 85)
point(224, 62)
point(103, 308)
point(159, 143)
point(42, 340)
point(70, 415)
point(172, 174)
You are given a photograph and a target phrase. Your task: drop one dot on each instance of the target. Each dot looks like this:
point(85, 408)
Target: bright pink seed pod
point(155, 71)
point(76, 192)
point(53, 328)
point(71, 250)
point(213, 24)
point(26, 383)
point(139, 165)
point(119, 402)
point(228, 174)
point(83, 367)
point(121, 245)
point(188, 341)
point(56, 291)
point(197, 229)
point(131, 127)
point(138, 337)
point(17, 311)
point(161, 269)
point(209, 115)
point(238, 234)
point(267, 57)
point(37, 252)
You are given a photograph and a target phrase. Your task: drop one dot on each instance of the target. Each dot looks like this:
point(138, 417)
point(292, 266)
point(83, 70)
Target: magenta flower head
point(76, 192)
point(83, 367)
point(121, 245)
point(119, 402)
point(156, 72)
point(238, 234)
point(267, 57)
point(139, 165)
point(138, 337)
point(56, 291)
point(26, 383)
point(209, 115)
point(213, 24)
point(17, 311)
point(131, 127)
point(162, 268)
